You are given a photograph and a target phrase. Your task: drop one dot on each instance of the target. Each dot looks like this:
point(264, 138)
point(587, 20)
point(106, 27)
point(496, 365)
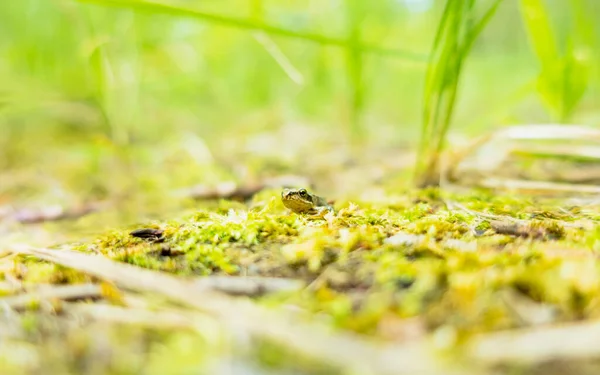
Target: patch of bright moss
point(454, 275)
point(33, 271)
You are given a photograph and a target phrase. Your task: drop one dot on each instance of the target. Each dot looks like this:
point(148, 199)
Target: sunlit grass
point(566, 55)
point(352, 44)
point(457, 30)
point(118, 75)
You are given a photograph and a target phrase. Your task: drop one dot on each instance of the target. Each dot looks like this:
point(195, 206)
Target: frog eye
point(303, 192)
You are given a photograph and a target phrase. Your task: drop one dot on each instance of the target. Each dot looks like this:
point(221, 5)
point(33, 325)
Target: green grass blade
point(457, 31)
point(564, 74)
point(480, 25)
point(434, 74)
point(354, 16)
point(257, 12)
point(471, 36)
point(250, 24)
point(539, 29)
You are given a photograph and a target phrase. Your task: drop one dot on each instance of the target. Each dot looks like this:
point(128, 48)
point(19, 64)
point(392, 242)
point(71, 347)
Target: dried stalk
point(63, 292)
point(487, 153)
point(564, 342)
point(539, 186)
point(249, 286)
point(128, 315)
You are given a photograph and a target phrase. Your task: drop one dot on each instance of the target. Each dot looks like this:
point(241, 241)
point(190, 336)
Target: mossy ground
point(366, 272)
point(391, 264)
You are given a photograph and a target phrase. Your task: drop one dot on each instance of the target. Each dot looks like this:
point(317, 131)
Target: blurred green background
point(104, 98)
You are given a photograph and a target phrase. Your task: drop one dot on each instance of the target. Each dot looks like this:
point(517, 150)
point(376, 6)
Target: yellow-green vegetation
point(397, 266)
point(37, 344)
point(372, 265)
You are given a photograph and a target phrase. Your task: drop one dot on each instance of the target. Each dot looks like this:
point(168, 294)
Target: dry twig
point(561, 342)
point(486, 154)
point(160, 318)
point(54, 213)
point(63, 292)
point(248, 285)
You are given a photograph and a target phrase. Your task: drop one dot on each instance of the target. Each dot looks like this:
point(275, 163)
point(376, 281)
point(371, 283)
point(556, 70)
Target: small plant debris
point(149, 234)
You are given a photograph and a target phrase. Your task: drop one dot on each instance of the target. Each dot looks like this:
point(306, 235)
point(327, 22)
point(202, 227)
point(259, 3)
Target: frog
point(301, 201)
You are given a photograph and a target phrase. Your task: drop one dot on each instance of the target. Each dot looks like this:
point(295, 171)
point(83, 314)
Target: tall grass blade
point(272, 48)
point(564, 75)
point(541, 34)
point(355, 14)
point(457, 31)
point(250, 24)
point(476, 29)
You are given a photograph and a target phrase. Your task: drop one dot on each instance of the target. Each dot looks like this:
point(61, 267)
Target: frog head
point(298, 200)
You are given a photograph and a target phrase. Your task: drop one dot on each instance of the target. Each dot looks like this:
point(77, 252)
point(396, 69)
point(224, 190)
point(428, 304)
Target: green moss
point(453, 274)
point(550, 228)
point(33, 271)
